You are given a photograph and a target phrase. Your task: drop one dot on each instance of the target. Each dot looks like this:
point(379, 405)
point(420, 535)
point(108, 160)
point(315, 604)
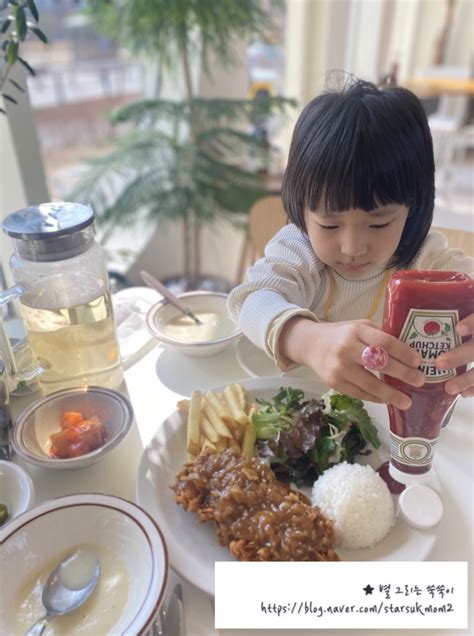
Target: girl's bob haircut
point(363, 147)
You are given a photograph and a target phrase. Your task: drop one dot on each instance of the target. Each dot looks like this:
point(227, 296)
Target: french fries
point(194, 416)
point(217, 421)
point(218, 424)
point(208, 430)
point(183, 406)
point(232, 395)
point(219, 407)
point(250, 436)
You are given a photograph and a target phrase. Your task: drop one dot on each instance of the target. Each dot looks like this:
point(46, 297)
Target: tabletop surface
point(161, 377)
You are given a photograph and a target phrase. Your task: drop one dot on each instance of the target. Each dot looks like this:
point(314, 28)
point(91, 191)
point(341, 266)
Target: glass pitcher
point(64, 295)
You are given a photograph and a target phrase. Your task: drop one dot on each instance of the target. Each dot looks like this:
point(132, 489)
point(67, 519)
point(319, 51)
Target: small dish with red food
point(78, 435)
point(73, 428)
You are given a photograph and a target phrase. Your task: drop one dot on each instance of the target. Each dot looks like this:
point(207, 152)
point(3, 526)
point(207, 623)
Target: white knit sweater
point(290, 280)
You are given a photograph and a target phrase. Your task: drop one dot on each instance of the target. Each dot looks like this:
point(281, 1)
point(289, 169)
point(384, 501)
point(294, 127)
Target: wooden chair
point(463, 239)
point(266, 217)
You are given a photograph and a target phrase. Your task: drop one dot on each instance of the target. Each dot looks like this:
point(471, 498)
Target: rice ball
point(359, 502)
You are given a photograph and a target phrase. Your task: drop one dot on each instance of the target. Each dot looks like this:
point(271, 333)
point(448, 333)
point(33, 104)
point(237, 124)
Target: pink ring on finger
point(374, 358)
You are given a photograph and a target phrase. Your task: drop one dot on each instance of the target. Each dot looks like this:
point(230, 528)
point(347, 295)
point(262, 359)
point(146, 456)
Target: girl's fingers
point(395, 349)
point(461, 383)
point(464, 354)
point(355, 391)
point(381, 390)
point(465, 327)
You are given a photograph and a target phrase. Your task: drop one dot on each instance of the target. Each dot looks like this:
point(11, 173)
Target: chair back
point(266, 217)
point(462, 239)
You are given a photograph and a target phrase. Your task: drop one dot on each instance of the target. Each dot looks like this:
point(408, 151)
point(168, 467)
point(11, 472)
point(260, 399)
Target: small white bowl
point(16, 489)
point(30, 436)
point(126, 541)
point(198, 301)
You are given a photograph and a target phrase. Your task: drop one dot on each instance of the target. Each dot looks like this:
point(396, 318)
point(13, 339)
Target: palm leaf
point(137, 194)
point(243, 109)
point(149, 111)
point(155, 26)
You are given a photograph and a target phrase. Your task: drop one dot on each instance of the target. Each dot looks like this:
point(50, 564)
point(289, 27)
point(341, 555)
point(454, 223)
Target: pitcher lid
point(48, 220)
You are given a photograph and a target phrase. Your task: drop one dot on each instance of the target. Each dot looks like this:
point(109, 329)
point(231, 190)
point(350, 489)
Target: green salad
point(301, 438)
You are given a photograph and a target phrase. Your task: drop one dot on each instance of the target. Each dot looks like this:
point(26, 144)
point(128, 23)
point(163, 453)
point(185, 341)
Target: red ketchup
point(422, 309)
point(394, 486)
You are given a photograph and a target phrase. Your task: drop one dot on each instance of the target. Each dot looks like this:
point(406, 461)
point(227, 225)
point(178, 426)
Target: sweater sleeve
point(286, 281)
point(435, 254)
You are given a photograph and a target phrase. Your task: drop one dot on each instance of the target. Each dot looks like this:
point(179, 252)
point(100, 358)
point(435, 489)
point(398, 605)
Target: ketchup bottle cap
point(420, 506)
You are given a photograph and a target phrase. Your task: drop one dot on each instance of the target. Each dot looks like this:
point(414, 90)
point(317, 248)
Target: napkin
point(131, 306)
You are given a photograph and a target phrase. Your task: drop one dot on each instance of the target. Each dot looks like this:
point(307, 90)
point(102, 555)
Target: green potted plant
point(187, 159)
point(17, 20)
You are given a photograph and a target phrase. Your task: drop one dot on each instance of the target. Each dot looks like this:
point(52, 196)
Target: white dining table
point(160, 378)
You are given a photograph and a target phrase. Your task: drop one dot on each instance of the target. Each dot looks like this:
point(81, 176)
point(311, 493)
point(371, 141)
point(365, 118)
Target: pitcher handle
point(6, 353)
point(11, 293)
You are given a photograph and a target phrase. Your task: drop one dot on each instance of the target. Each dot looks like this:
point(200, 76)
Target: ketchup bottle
point(422, 309)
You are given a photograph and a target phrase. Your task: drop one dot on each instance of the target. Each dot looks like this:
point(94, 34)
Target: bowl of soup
point(174, 329)
point(126, 541)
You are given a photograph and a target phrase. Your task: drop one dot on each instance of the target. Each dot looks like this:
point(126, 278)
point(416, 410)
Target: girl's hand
point(333, 351)
point(464, 354)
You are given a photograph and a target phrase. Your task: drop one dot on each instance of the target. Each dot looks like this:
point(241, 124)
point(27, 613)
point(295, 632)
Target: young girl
point(359, 192)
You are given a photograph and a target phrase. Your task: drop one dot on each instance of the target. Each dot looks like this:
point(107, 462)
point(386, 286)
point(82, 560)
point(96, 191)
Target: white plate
point(193, 546)
point(257, 364)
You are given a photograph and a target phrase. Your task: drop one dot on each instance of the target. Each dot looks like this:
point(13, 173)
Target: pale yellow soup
point(99, 613)
point(214, 327)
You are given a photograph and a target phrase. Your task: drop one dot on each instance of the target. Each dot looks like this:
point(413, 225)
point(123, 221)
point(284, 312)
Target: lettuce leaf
point(346, 411)
point(278, 415)
point(300, 438)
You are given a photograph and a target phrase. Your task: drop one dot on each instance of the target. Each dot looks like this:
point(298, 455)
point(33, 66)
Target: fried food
point(235, 401)
point(216, 421)
point(219, 425)
point(194, 415)
point(250, 436)
point(256, 517)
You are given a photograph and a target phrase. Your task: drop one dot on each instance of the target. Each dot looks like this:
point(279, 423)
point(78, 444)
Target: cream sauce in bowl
point(214, 327)
point(99, 613)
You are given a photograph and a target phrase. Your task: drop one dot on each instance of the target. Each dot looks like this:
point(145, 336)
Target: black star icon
point(368, 589)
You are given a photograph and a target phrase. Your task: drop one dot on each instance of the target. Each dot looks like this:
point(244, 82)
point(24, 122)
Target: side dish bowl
point(161, 314)
point(31, 434)
point(16, 489)
point(127, 542)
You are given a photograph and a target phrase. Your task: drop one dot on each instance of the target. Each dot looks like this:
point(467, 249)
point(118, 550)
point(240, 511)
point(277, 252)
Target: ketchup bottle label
point(412, 451)
point(431, 332)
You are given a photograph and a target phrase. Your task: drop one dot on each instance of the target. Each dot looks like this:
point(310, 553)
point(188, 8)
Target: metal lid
point(48, 220)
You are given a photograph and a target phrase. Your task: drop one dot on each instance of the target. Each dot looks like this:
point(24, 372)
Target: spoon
point(67, 587)
point(152, 282)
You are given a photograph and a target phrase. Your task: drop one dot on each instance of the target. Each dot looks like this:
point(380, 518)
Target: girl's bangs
point(360, 172)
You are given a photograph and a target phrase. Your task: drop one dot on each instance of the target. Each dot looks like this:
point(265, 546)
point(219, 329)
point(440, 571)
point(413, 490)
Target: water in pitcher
point(75, 342)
